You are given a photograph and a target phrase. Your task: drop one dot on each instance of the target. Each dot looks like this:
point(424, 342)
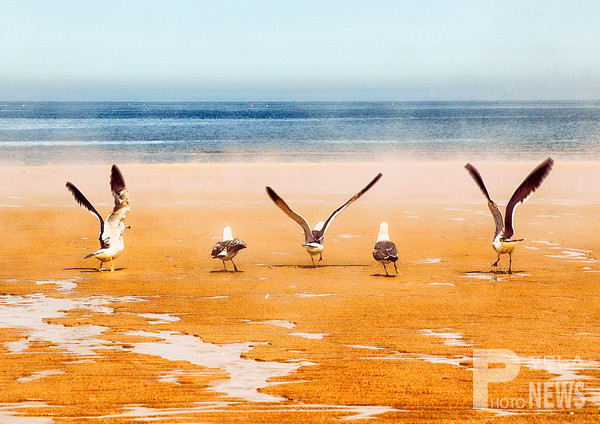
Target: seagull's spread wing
point(117, 184)
point(219, 249)
point(478, 180)
point(82, 201)
point(493, 208)
point(296, 217)
point(121, 196)
point(524, 192)
point(385, 251)
point(222, 248)
point(320, 233)
point(235, 245)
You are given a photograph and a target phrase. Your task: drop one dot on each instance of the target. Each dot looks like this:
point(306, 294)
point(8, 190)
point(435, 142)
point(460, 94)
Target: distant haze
point(299, 50)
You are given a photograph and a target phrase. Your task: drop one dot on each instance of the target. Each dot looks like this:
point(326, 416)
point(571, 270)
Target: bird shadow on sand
point(91, 270)
point(318, 266)
point(225, 271)
point(384, 275)
point(493, 272)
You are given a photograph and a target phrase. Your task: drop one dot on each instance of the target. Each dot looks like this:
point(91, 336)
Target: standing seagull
point(504, 230)
point(314, 239)
point(111, 230)
point(385, 251)
point(228, 248)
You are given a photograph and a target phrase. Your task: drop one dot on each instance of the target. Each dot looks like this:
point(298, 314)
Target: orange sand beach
point(170, 337)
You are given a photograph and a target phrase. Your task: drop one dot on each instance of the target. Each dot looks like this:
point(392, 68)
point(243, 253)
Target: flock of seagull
point(384, 251)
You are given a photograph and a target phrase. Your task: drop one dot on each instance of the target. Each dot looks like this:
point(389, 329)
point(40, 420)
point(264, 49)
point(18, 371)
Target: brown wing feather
point(497, 218)
point(289, 212)
point(524, 191)
point(219, 247)
point(228, 245)
point(118, 189)
point(477, 177)
point(83, 202)
point(385, 251)
point(121, 196)
point(117, 182)
point(496, 214)
point(235, 245)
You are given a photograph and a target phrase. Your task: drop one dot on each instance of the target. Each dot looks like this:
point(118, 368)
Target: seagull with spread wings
point(503, 242)
point(313, 239)
point(111, 230)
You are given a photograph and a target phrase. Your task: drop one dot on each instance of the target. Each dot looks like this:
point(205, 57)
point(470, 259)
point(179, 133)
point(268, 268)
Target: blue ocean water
point(55, 132)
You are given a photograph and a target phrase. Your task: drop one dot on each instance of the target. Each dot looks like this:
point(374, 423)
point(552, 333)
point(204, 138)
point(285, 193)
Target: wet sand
point(171, 337)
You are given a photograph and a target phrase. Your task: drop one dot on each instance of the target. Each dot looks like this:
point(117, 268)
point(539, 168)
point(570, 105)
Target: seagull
point(111, 230)
point(385, 251)
point(314, 239)
point(228, 248)
point(503, 243)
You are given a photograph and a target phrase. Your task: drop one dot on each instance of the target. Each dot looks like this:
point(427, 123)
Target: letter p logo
point(483, 375)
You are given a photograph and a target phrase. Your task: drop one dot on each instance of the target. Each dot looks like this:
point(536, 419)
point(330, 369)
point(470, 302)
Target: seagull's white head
point(383, 232)
point(227, 234)
point(319, 226)
point(122, 228)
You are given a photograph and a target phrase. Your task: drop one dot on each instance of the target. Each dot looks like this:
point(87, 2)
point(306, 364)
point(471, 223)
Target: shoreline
point(271, 160)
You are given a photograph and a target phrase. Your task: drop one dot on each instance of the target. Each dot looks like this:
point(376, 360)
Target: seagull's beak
point(128, 227)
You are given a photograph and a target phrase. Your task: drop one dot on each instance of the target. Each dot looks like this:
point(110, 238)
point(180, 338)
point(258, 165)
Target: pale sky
point(299, 50)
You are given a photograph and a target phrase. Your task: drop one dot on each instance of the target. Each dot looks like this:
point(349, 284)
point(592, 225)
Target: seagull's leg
point(495, 264)
point(395, 267)
point(320, 257)
point(112, 266)
point(100, 267)
point(234, 267)
point(313, 261)
point(224, 266)
point(509, 262)
point(386, 273)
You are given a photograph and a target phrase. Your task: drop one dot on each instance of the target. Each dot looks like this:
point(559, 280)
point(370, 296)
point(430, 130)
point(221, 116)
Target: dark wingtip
point(271, 193)
point(117, 182)
point(474, 173)
point(373, 181)
point(545, 167)
point(471, 169)
point(74, 190)
point(549, 164)
point(114, 170)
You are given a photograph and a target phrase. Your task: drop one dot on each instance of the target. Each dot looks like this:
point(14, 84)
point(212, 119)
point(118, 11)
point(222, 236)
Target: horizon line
point(259, 101)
